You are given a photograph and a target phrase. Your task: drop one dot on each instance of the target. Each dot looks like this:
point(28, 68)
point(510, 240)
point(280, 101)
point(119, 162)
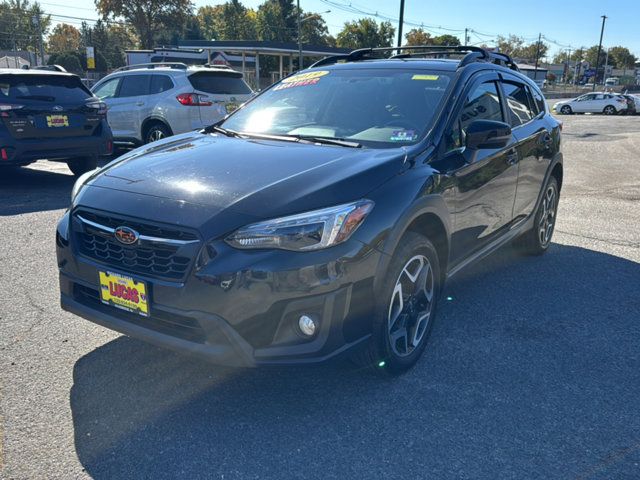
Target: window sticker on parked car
point(403, 136)
point(302, 80)
point(425, 77)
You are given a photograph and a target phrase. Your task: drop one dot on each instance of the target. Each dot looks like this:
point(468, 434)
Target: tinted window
point(377, 107)
point(222, 83)
point(520, 108)
point(107, 89)
point(43, 88)
point(483, 103)
point(539, 100)
point(134, 86)
point(160, 83)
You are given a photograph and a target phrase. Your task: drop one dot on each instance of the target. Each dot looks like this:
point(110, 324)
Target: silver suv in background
point(152, 101)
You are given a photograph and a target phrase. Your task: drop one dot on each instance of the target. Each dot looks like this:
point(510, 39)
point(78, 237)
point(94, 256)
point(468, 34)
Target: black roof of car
point(25, 71)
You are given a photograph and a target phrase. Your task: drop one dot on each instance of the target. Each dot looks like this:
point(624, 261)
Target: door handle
point(512, 157)
point(139, 104)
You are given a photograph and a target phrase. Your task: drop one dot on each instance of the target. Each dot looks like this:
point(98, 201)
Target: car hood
point(261, 178)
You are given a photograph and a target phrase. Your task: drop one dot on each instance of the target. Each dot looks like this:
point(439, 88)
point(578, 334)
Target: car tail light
point(194, 100)
point(5, 108)
point(3, 153)
point(100, 107)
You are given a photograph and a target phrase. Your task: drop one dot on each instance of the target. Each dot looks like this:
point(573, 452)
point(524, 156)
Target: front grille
point(178, 326)
point(169, 261)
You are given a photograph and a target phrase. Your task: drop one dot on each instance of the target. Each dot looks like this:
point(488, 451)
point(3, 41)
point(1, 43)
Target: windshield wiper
point(340, 142)
point(224, 131)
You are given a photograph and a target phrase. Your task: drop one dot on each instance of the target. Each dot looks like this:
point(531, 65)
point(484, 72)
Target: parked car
point(321, 218)
point(51, 115)
point(598, 102)
point(152, 101)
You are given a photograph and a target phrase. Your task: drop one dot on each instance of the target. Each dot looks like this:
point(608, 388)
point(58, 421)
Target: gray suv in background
point(152, 101)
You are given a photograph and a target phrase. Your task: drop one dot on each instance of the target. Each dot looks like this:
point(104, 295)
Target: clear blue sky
point(567, 22)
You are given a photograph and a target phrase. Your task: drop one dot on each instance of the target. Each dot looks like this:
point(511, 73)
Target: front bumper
point(240, 309)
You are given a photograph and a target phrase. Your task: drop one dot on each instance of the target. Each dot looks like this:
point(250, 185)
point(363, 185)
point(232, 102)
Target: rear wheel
point(406, 309)
point(155, 132)
point(82, 164)
point(566, 110)
point(609, 110)
point(536, 241)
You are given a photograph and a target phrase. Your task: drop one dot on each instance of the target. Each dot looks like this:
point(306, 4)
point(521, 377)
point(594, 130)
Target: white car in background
point(596, 102)
point(152, 101)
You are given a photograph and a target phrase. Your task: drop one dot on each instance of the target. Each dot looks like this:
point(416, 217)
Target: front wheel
point(406, 307)
point(82, 165)
point(536, 241)
point(566, 110)
point(609, 110)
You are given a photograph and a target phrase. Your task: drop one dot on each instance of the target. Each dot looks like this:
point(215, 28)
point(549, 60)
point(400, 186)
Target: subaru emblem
point(126, 235)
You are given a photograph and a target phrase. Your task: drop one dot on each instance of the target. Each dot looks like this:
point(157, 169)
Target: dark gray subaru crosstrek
point(322, 217)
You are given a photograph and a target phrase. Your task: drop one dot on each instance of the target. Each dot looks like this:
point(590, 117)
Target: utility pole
point(36, 21)
point(595, 79)
point(535, 71)
point(401, 22)
point(299, 37)
point(466, 36)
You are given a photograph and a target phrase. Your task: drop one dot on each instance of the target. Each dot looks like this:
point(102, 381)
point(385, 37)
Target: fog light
point(307, 325)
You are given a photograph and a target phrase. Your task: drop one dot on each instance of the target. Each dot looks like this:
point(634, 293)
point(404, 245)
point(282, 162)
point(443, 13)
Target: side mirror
point(487, 134)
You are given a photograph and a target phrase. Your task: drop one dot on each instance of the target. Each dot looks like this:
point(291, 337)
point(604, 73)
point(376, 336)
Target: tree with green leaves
point(364, 33)
point(277, 21)
point(620, 57)
point(19, 26)
point(314, 31)
point(149, 17)
point(510, 45)
point(229, 21)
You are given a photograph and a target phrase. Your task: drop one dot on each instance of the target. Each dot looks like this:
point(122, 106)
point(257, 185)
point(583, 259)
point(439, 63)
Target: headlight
point(79, 184)
point(306, 231)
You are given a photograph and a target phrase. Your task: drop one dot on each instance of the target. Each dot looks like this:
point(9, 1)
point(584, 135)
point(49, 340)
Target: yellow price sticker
point(425, 77)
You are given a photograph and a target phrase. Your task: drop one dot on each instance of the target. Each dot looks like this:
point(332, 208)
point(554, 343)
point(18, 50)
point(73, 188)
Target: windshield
point(375, 107)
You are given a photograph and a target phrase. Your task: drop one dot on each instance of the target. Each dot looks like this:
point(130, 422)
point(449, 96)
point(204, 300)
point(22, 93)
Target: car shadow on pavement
point(532, 371)
point(27, 190)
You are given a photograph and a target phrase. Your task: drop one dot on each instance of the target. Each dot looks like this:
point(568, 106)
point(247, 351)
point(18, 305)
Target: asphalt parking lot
point(533, 370)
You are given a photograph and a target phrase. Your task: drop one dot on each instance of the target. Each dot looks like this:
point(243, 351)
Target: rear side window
point(519, 103)
point(134, 86)
point(222, 83)
point(160, 83)
point(43, 88)
point(538, 99)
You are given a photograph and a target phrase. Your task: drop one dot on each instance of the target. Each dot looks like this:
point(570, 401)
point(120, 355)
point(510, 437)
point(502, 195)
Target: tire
point(609, 110)
point(157, 131)
point(536, 241)
point(414, 257)
point(566, 110)
point(82, 165)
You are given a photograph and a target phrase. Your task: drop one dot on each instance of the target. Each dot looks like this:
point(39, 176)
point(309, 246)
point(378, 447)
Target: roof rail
point(473, 54)
point(139, 66)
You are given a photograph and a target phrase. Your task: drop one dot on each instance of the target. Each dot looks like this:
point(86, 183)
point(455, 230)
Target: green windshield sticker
point(302, 80)
point(425, 77)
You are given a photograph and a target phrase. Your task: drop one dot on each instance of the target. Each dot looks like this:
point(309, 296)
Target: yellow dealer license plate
point(124, 292)
point(57, 121)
